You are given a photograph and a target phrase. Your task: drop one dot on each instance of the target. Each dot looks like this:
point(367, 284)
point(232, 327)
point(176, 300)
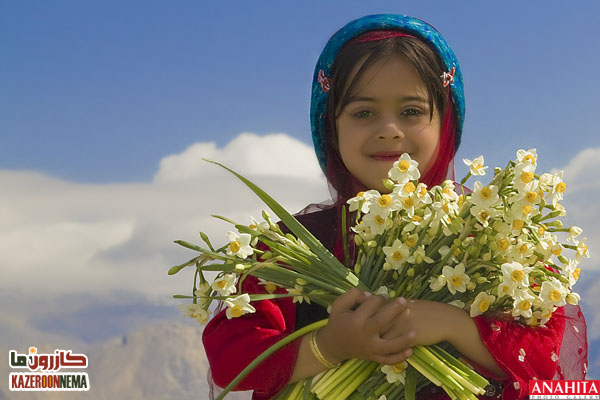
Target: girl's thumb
point(348, 300)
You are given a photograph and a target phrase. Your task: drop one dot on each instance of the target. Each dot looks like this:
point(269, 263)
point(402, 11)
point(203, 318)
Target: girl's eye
point(362, 114)
point(411, 112)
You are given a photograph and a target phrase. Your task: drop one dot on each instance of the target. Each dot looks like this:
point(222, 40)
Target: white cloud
point(58, 236)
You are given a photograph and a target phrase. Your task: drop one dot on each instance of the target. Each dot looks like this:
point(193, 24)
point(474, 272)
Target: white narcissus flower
point(483, 214)
point(523, 211)
point(383, 291)
point(476, 167)
point(195, 311)
point(574, 231)
point(573, 298)
point(553, 293)
point(239, 244)
point(395, 373)
point(456, 278)
point(485, 196)
point(363, 200)
point(505, 289)
point(529, 156)
point(524, 177)
point(404, 170)
point(571, 271)
point(582, 250)
point(386, 203)
point(457, 303)
point(225, 285)
point(481, 304)
point(418, 256)
point(238, 306)
point(437, 283)
point(523, 301)
point(376, 221)
point(514, 274)
point(396, 254)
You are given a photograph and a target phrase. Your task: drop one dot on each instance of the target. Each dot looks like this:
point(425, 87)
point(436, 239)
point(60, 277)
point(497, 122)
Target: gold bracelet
point(317, 353)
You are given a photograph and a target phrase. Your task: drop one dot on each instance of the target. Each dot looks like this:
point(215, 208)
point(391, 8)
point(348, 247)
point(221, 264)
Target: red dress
point(556, 351)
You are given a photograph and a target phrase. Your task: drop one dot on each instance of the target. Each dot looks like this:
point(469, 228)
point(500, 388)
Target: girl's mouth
point(386, 156)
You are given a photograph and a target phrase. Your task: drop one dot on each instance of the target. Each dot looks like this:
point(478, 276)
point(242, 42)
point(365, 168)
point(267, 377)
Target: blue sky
point(100, 91)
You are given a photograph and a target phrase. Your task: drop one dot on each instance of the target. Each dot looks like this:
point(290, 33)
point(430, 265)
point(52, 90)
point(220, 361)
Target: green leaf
point(298, 229)
point(410, 385)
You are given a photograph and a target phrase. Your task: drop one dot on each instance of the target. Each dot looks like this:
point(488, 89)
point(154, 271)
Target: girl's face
point(387, 116)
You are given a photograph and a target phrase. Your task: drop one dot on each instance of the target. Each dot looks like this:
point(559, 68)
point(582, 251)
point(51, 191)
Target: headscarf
point(321, 124)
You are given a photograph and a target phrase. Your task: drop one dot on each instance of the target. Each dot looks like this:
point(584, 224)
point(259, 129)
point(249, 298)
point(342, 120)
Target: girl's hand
point(357, 333)
point(432, 322)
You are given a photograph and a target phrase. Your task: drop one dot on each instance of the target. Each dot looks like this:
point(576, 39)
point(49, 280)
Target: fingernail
point(408, 352)
point(367, 294)
point(401, 300)
point(412, 334)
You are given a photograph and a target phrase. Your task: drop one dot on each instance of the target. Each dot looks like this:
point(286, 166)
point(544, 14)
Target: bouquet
point(494, 250)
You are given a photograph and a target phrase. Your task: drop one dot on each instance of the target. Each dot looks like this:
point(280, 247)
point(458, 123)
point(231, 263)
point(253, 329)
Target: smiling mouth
point(385, 156)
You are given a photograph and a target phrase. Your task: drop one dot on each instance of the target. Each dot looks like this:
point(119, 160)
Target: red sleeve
point(232, 344)
point(522, 352)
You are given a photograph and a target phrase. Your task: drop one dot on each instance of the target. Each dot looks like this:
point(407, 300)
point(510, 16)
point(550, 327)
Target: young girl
point(386, 85)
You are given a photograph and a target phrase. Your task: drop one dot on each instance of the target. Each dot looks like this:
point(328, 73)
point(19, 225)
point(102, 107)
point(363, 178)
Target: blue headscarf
point(410, 25)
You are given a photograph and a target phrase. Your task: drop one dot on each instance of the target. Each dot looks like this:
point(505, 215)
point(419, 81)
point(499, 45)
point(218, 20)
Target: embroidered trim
point(324, 81)
point(448, 77)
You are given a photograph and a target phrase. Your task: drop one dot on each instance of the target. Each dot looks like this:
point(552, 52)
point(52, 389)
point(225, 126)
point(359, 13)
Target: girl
point(386, 85)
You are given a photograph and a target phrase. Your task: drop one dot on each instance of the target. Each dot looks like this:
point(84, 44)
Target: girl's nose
point(390, 130)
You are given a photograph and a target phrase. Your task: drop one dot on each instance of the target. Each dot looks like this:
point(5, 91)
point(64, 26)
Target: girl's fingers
point(395, 358)
point(398, 326)
point(369, 308)
point(395, 345)
point(348, 300)
point(387, 315)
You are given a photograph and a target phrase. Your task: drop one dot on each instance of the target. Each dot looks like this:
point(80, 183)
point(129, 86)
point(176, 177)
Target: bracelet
point(317, 353)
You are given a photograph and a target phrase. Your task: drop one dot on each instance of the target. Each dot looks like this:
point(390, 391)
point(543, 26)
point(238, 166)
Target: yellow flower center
point(484, 215)
point(236, 311)
point(385, 200)
point(379, 219)
point(522, 249)
point(398, 368)
point(235, 246)
point(456, 280)
point(505, 289)
point(447, 190)
point(555, 295)
point(456, 252)
point(525, 305)
point(484, 305)
point(410, 187)
point(252, 226)
point(526, 209)
point(397, 256)
point(503, 244)
point(526, 177)
point(557, 250)
point(486, 193)
point(422, 191)
point(533, 321)
point(531, 197)
point(542, 229)
point(461, 199)
point(536, 289)
point(529, 158)
point(518, 224)
point(411, 242)
point(360, 194)
point(576, 273)
point(561, 187)
point(517, 275)
point(403, 165)
point(221, 284)
point(445, 208)
point(417, 218)
point(408, 202)
point(270, 287)
point(476, 165)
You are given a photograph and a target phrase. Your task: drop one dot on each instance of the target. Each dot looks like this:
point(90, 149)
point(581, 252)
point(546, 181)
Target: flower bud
point(483, 239)
point(388, 183)
point(563, 259)
point(387, 266)
point(471, 285)
point(358, 240)
point(392, 294)
point(266, 255)
point(240, 267)
point(573, 298)
point(395, 275)
point(409, 287)
point(410, 272)
point(301, 281)
point(575, 231)
point(481, 279)
point(358, 268)
point(371, 243)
